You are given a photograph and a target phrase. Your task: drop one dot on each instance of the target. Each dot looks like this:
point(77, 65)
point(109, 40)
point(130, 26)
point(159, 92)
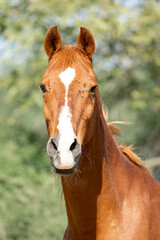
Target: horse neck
point(93, 182)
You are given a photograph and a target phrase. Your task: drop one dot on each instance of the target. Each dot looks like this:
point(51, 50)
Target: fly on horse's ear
point(52, 41)
point(86, 42)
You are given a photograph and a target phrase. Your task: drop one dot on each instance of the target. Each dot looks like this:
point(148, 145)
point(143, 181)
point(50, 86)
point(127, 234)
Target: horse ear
point(86, 42)
point(52, 42)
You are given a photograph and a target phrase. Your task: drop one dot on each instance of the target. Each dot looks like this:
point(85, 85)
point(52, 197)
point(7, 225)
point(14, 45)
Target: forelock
point(69, 56)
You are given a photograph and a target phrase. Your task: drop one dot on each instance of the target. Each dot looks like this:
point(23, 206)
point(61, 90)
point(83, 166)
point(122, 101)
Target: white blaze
point(65, 128)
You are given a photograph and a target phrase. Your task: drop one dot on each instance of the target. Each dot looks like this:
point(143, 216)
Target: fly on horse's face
point(69, 96)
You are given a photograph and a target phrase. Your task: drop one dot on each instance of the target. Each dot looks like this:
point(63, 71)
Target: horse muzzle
point(64, 157)
point(64, 170)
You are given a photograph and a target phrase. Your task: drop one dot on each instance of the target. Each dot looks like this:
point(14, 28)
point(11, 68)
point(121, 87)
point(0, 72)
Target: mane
point(126, 150)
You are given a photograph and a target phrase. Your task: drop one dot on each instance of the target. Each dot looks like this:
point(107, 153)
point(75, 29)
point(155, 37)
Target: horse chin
point(68, 171)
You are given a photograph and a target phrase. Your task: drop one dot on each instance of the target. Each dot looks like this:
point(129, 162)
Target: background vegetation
point(127, 63)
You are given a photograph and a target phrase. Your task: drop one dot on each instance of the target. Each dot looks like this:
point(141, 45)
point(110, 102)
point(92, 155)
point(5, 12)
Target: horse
point(108, 192)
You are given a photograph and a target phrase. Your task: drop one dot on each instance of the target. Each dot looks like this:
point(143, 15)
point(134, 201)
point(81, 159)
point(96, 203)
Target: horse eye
point(43, 88)
point(92, 89)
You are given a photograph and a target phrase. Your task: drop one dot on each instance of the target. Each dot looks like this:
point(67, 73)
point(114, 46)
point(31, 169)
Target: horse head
point(69, 89)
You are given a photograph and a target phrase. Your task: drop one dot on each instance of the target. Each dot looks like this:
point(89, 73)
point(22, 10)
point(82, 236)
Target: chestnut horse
point(108, 193)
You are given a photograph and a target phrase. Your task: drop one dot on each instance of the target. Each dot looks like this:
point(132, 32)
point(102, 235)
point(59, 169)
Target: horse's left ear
point(86, 42)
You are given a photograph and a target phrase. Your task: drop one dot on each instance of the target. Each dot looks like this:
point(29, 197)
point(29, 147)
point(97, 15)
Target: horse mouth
point(65, 171)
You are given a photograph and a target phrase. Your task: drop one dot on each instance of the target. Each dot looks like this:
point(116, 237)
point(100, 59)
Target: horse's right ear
point(52, 42)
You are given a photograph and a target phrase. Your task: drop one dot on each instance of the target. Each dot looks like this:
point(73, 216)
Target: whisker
point(84, 153)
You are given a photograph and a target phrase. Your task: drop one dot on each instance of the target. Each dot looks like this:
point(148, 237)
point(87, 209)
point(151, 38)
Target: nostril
point(54, 145)
point(73, 145)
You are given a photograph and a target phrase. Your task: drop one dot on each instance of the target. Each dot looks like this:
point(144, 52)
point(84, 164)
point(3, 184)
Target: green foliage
point(30, 206)
point(127, 64)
